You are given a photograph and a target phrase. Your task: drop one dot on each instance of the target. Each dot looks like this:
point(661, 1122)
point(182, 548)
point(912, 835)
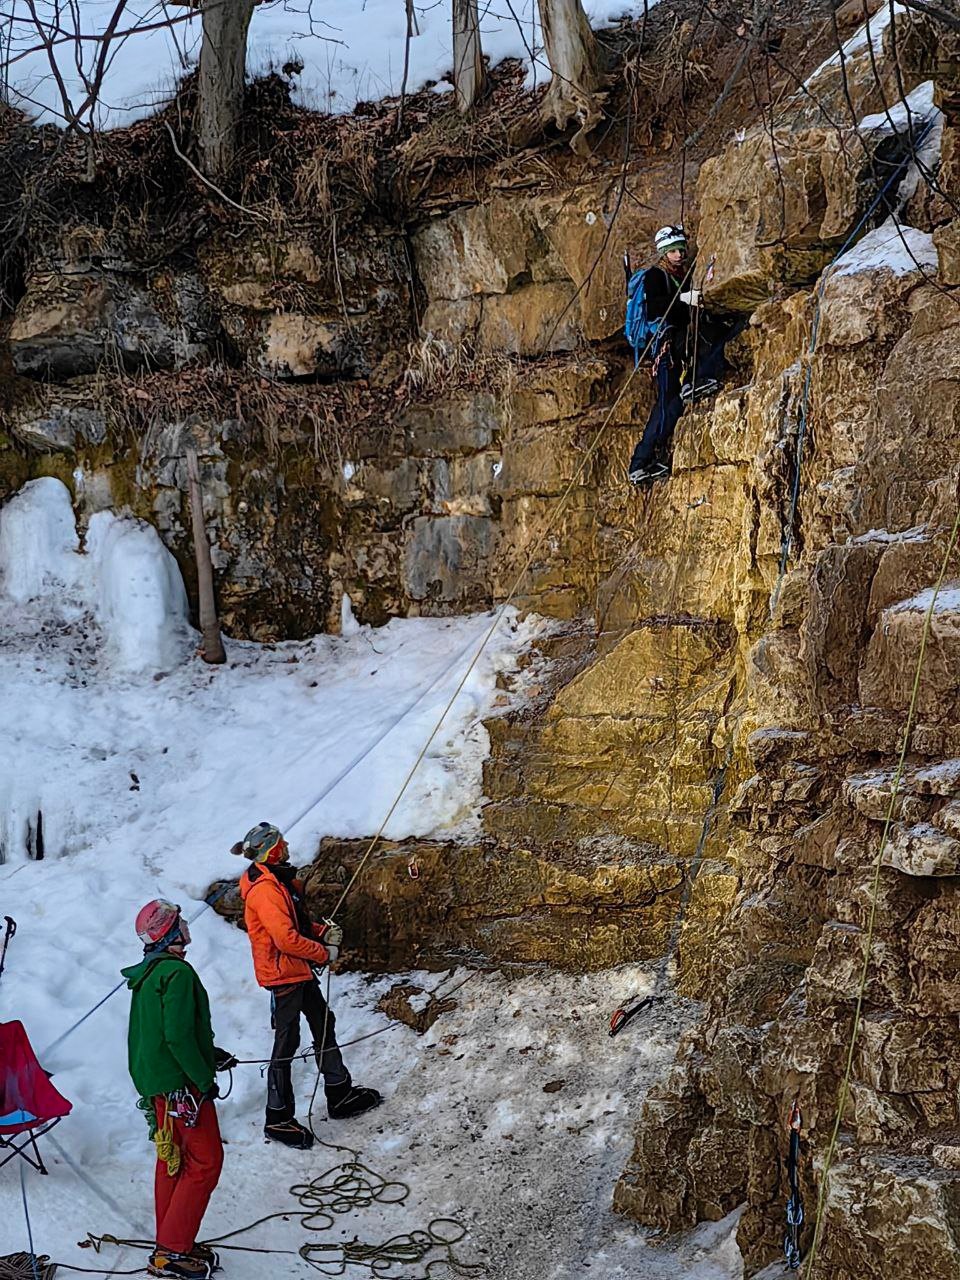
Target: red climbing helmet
point(156, 920)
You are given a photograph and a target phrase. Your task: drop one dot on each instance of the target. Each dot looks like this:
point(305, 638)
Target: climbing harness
point(183, 1107)
point(9, 931)
point(791, 1241)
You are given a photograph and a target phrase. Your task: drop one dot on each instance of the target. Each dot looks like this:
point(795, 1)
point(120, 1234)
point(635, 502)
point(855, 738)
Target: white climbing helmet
point(668, 238)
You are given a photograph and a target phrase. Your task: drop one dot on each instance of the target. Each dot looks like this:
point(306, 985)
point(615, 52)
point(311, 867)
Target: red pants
point(182, 1201)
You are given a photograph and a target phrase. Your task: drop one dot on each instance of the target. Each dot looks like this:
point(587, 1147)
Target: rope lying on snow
point(343, 1188)
point(26, 1266)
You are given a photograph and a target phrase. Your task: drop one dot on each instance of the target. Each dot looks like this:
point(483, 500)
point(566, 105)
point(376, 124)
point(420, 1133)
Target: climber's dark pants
point(667, 407)
point(707, 340)
point(287, 1003)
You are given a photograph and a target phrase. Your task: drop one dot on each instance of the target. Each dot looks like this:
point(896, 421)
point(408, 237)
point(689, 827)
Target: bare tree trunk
point(223, 57)
point(212, 650)
point(576, 65)
point(468, 69)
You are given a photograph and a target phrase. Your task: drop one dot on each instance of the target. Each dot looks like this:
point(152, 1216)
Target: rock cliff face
point(443, 418)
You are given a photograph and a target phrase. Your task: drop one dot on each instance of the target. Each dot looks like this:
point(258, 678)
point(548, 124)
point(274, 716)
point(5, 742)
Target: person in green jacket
point(173, 1062)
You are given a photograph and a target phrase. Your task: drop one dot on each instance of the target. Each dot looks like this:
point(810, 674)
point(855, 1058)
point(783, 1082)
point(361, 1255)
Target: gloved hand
point(691, 297)
point(331, 935)
point(225, 1061)
point(211, 1093)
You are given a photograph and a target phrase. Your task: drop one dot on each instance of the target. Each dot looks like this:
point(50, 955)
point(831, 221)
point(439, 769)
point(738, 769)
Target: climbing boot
point(290, 1132)
point(690, 394)
point(345, 1100)
point(204, 1253)
point(652, 471)
point(163, 1262)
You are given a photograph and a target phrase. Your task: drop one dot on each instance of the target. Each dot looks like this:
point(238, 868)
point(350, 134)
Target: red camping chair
point(29, 1104)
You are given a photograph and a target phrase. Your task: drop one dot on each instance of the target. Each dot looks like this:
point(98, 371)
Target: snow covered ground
point(347, 50)
point(146, 766)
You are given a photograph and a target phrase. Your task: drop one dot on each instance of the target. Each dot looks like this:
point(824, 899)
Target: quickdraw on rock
point(791, 1241)
point(413, 869)
point(620, 1017)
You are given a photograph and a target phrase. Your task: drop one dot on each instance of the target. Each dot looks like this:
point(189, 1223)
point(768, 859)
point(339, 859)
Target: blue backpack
point(639, 330)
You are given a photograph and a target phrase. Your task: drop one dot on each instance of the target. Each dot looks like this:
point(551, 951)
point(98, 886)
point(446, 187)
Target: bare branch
point(249, 213)
point(933, 11)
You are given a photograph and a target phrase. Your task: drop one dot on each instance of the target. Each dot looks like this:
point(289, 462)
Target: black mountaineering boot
point(290, 1132)
point(203, 1253)
point(345, 1100)
point(706, 387)
point(183, 1265)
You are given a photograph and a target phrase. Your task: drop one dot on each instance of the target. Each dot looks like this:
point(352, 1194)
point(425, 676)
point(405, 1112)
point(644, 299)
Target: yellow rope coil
point(167, 1149)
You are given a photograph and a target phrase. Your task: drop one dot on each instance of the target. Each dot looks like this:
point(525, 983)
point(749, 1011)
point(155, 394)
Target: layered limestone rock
point(827, 689)
point(781, 199)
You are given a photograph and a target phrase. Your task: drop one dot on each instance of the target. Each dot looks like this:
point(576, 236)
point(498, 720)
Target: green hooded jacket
point(170, 1040)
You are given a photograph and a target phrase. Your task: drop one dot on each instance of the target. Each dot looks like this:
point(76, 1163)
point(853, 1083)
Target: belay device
point(791, 1241)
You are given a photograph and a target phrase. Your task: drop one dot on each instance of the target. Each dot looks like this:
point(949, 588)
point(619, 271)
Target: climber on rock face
point(664, 323)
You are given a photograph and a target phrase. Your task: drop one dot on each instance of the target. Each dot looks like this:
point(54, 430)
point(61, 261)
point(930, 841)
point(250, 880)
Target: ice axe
point(11, 929)
point(629, 1010)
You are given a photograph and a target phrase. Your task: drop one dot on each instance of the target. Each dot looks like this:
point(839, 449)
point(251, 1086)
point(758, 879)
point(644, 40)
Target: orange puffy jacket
point(281, 954)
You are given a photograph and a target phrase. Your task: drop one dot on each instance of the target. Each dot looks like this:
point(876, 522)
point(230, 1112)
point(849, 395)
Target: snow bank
point(127, 580)
point(892, 246)
point(916, 109)
point(38, 542)
point(948, 600)
point(869, 35)
point(139, 596)
point(346, 50)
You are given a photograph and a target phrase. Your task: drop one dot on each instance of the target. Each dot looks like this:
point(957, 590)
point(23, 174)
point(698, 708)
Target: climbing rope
point(304, 1054)
point(502, 608)
point(26, 1266)
point(844, 1091)
point(26, 1217)
point(638, 1004)
point(345, 1187)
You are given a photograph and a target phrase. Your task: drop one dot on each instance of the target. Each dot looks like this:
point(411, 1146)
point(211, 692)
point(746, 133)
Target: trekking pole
point(11, 929)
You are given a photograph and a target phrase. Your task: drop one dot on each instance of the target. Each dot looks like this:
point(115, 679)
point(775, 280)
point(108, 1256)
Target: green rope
point(407, 1249)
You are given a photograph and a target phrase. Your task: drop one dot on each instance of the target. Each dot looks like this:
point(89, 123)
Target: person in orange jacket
point(288, 952)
